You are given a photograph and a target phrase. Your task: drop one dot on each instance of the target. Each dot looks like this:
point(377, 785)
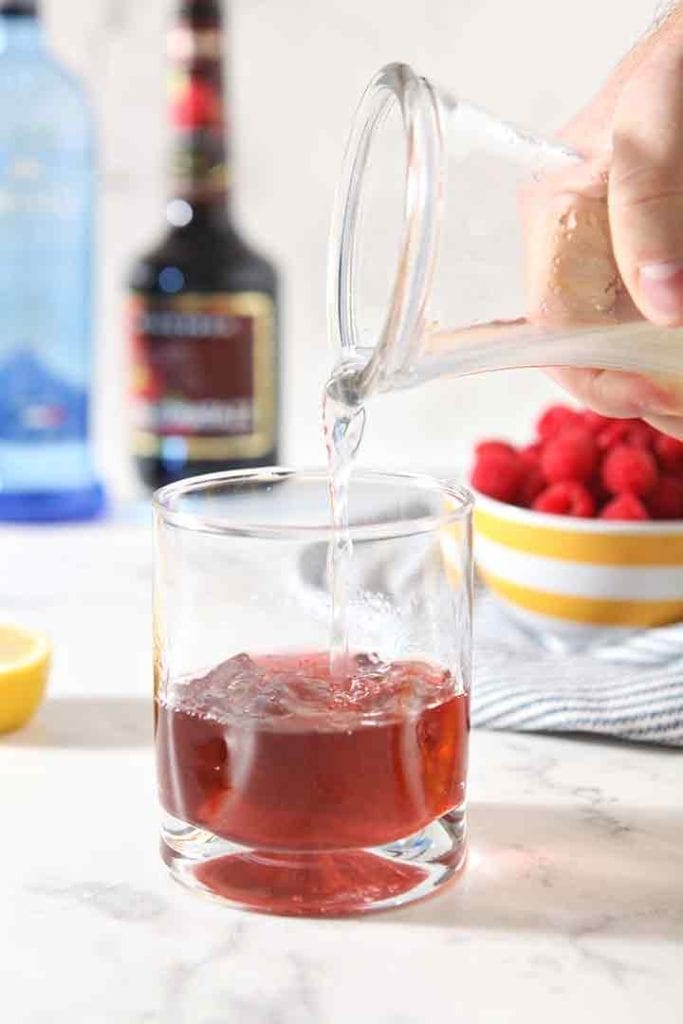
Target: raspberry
point(626, 468)
point(532, 485)
point(567, 498)
point(499, 475)
point(624, 506)
point(665, 501)
point(669, 452)
point(555, 419)
point(572, 455)
point(633, 432)
point(531, 455)
point(595, 422)
point(485, 448)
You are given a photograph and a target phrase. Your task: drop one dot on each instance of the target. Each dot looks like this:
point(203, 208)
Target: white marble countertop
point(571, 908)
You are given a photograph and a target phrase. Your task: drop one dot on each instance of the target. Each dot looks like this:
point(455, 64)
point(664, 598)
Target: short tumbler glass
point(288, 786)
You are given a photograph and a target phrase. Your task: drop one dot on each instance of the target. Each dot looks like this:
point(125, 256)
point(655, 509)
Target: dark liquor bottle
point(202, 312)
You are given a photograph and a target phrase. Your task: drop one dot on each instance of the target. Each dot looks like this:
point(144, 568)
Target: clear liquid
point(343, 425)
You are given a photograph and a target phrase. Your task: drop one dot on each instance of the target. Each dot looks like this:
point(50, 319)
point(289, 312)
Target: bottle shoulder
point(208, 259)
point(38, 87)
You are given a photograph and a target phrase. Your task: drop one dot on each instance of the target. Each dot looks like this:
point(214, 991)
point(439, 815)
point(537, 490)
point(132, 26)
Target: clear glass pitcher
point(431, 268)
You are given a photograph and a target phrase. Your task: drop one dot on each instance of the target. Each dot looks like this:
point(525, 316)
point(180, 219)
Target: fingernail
point(662, 285)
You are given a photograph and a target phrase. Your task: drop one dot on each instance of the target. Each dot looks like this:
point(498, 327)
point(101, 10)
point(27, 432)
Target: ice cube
point(225, 690)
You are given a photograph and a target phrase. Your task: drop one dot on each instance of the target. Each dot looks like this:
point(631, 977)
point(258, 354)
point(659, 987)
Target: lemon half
point(24, 668)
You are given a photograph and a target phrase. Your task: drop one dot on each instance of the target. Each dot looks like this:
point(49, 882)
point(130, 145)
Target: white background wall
point(297, 68)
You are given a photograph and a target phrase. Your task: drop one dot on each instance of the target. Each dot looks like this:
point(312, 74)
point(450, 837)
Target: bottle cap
point(19, 8)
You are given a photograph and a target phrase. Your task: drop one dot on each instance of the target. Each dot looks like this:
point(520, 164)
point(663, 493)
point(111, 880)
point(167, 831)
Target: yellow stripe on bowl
point(582, 545)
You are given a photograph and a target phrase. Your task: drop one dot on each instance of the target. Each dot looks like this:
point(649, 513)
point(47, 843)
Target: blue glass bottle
point(46, 213)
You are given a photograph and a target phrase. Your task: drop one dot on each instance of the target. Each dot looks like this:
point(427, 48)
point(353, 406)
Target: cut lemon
point(24, 668)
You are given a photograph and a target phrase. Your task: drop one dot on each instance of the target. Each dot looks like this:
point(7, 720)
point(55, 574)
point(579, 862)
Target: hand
point(616, 249)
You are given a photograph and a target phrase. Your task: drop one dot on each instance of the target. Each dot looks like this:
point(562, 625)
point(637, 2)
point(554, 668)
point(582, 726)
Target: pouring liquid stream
point(343, 425)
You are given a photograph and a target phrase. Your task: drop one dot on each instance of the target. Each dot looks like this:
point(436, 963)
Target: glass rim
point(395, 528)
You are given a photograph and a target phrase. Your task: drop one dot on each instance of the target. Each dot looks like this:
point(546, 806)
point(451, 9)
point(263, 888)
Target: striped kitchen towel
point(632, 689)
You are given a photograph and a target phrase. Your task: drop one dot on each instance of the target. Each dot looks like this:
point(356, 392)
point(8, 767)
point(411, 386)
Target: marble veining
point(118, 901)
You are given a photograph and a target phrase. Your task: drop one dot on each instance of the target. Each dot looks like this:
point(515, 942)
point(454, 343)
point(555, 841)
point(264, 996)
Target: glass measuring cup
point(430, 267)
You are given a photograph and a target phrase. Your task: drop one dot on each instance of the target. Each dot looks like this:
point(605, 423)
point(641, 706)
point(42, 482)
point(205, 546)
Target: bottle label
point(36, 404)
point(44, 284)
point(203, 376)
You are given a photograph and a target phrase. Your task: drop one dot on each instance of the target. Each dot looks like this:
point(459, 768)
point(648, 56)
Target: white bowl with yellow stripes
point(582, 580)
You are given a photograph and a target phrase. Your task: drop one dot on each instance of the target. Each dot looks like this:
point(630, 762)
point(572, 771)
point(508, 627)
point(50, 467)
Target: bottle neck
point(19, 32)
point(200, 166)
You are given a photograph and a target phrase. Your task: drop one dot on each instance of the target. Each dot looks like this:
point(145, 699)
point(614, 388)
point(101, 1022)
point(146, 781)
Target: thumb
point(645, 193)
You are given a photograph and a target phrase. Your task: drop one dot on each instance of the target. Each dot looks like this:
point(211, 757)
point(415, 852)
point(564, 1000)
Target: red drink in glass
point(275, 754)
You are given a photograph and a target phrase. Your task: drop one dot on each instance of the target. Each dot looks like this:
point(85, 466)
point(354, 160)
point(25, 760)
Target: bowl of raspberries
point(580, 531)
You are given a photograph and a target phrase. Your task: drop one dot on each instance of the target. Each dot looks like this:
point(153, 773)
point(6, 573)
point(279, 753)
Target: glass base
point(309, 884)
point(52, 506)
